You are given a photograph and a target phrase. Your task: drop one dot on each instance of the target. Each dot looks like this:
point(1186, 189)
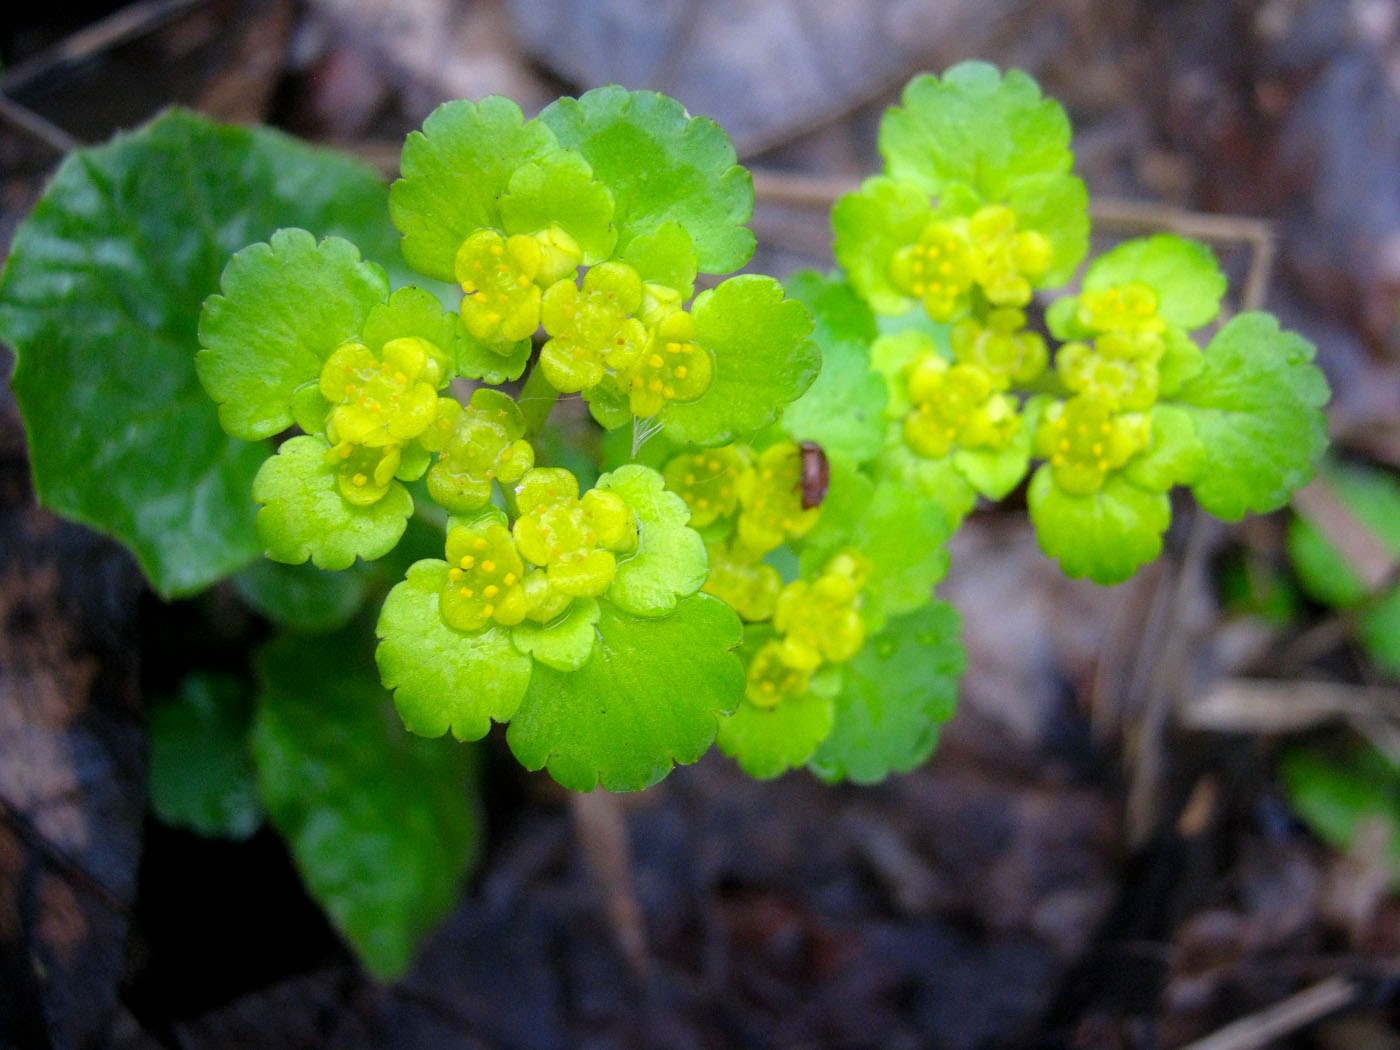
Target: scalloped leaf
point(897, 692)
point(938, 480)
point(670, 562)
point(305, 516)
point(1184, 274)
point(768, 741)
point(665, 256)
point(872, 224)
point(662, 166)
point(201, 767)
point(454, 173)
point(443, 679)
point(994, 473)
point(1257, 407)
point(1058, 207)
point(564, 645)
point(763, 360)
point(902, 534)
point(1105, 536)
point(1175, 456)
point(101, 300)
point(383, 826)
point(844, 409)
point(975, 126)
point(559, 189)
point(652, 695)
point(284, 307)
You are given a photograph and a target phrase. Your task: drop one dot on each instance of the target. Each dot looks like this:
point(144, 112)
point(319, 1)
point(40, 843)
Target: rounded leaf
point(661, 166)
point(305, 516)
point(444, 679)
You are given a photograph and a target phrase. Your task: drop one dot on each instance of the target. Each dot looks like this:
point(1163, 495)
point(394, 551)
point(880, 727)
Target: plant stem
point(537, 398)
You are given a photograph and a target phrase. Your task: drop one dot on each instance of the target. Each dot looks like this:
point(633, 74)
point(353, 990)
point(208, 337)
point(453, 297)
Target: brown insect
point(816, 475)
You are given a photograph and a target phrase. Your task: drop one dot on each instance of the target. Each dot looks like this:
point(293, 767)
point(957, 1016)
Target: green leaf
point(768, 741)
point(1334, 796)
point(994, 473)
point(843, 410)
point(566, 644)
point(454, 173)
point(1058, 207)
point(1373, 496)
point(665, 256)
point(286, 305)
point(101, 301)
point(763, 359)
point(869, 227)
point(1104, 536)
point(661, 166)
point(897, 692)
point(902, 535)
point(670, 562)
point(302, 597)
point(559, 189)
point(651, 695)
point(1175, 456)
point(383, 826)
point(305, 516)
point(443, 679)
point(938, 480)
point(1184, 274)
point(1257, 408)
point(201, 768)
point(977, 127)
point(1378, 626)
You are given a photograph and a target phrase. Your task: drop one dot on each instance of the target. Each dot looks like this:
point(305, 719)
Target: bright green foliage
point(975, 127)
point(650, 696)
point(455, 172)
point(444, 679)
point(201, 768)
point(809, 461)
point(380, 824)
point(843, 411)
point(661, 166)
point(669, 562)
point(1256, 406)
point(127, 241)
point(769, 740)
point(762, 360)
point(284, 308)
point(1104, 534)
point(1373, 496)
point(895, 694)
point(305, 514)
point(1337, 795)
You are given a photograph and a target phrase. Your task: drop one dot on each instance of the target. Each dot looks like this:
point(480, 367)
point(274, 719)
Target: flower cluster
point(816, 623)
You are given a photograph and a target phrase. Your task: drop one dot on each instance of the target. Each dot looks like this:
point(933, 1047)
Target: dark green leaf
point(201, 773)
point(382, 825)
point(101, 300)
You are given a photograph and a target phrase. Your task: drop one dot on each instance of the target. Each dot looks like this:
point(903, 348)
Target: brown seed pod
point(816, 475)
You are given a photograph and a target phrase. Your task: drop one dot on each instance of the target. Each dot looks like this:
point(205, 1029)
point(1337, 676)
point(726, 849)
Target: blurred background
point(1103, 852)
